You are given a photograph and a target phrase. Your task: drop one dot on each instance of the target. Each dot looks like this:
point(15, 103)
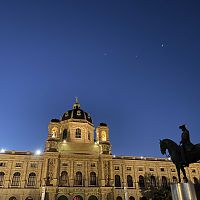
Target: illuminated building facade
point(76, 165)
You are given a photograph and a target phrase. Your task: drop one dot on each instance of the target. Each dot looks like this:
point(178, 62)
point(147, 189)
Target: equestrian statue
point(181, 155)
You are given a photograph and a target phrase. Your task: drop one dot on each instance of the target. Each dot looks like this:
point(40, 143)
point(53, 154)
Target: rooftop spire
point(76, 105)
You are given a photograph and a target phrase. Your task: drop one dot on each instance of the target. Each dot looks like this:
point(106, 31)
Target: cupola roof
point(76, 113)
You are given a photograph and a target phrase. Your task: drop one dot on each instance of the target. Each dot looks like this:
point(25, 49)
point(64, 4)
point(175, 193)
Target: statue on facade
point(181, 155)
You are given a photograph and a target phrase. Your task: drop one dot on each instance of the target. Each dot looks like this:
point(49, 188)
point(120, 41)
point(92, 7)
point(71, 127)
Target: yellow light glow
point(103, 136)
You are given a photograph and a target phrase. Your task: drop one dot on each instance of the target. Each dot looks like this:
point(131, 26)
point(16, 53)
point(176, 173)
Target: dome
point(76, 113)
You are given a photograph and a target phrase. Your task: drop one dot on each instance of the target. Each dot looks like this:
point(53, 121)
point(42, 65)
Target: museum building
point(76, 165)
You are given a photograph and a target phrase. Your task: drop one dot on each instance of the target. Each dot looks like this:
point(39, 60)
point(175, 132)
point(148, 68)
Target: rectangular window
point(162, 169)
point(151, 169)
point(173, 170)
point(116, 167)
point(65, 164)
point(193, 171)
point(34, 165)
point(140, 169)
point(18, 165)
point(128, 168)
point(1, 178)
point(2, 164)
point(92, 164)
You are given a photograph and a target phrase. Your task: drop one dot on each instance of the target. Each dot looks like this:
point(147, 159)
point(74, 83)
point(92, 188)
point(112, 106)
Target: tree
point(154, 189)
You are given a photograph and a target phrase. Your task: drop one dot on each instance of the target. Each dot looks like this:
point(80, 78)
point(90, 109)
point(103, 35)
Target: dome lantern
point(77, 105)
point(76, 113)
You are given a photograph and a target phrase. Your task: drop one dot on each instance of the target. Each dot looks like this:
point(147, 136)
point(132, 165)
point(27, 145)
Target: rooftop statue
point(181, 155)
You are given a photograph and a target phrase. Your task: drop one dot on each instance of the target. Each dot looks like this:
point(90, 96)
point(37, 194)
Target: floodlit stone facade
point(76, 165)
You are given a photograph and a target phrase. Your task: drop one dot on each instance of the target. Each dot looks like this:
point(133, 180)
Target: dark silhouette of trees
point(156, 188)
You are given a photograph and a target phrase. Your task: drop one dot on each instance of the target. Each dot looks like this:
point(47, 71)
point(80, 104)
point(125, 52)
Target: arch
point(65, 134)
point(164, 181)
point(131, 198)
point(78, 197)
point(31, 179)
point(89, 135)
point(12, 198)
point(16, 179)
point(63, 197)
point(78, 179)
point(153, 181)
point(2, 174)
point(64, 178)
point(92, 197)
point(174, 179)
point(119, 198)
point(129, 181)
point(117, 181)
point(185, 180)
point(78, 133)
point(195, 180)
point(141, 181)
point(93, 179)
point(29, 198)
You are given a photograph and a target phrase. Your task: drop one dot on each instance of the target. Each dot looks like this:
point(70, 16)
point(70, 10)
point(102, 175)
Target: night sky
point(134, 65)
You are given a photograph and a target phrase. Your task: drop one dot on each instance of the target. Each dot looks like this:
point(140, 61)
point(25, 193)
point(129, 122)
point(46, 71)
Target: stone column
point(183, 191)
point(86, 177)
point(71, 178)
point(102, 172)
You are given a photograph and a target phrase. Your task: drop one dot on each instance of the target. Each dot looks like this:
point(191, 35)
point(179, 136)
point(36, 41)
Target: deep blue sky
point(134, 65)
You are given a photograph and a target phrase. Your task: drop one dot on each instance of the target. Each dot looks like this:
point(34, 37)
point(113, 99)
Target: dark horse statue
point(175, 154)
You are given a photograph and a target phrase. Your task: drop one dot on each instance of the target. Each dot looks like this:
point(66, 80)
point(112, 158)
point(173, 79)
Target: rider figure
point(185, 144)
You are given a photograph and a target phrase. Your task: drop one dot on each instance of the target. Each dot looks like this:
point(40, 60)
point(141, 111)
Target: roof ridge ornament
point(76, 105)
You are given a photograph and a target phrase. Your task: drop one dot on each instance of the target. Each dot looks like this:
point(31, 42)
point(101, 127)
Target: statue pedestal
point(183, 191)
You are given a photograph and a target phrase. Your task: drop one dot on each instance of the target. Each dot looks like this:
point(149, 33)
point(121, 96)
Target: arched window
point(153, 181)
point(88, 135)
point(92, 197)
point(117, 181)
point(31, 179)
point(164, 181)
point(1, 178)
point(174, 179)
point(185, 180)
point(62, 198)
point(118, 198)
point(131, 198)
point(93, 180)
point(78, 133)
point(29, 198)
point(78, 179)
point(16, 179)
point(12, 198)
point(129, 181)
point(143, 198)
point(64, 135)
point(78, 197)
point(64, 178)
point(141, 181)
point(195, 180)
